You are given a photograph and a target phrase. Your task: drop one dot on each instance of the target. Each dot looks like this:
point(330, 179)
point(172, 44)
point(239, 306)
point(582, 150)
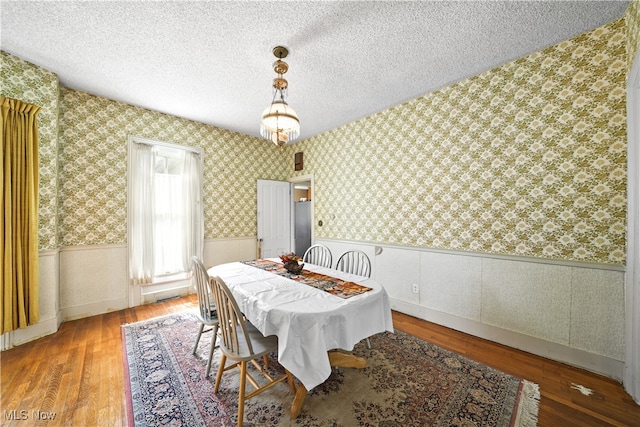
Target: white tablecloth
point(307, 321)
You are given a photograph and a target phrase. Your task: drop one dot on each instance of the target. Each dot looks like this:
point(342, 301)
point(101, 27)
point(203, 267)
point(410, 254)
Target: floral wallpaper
point(28, 82)
point(93, 155)
point(632, 17)
point(526, 159)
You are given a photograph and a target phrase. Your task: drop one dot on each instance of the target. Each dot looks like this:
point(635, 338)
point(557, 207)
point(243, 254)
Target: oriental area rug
point(407, 382)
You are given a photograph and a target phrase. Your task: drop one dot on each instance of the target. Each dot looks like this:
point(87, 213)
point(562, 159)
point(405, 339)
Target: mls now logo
point(17, 415)
point(42, 415)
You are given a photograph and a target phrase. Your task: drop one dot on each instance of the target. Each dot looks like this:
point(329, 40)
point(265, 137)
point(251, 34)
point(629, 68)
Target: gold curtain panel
point(19, 205)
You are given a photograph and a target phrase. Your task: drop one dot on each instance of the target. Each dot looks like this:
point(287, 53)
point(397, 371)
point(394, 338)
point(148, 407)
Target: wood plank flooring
point(76, 375)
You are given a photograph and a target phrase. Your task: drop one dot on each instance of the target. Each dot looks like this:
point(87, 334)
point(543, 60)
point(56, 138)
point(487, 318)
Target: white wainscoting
point(216, 251)
point(572, 312)
point(83, 281)
point(49, 300)
point(566, 311)
point(93, 280)
point(219, 251)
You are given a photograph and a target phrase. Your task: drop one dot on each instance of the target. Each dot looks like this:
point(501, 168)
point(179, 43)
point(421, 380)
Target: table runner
point(332, 285)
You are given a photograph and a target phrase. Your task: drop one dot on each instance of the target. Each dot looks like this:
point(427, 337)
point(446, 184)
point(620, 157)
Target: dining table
point(318, 315)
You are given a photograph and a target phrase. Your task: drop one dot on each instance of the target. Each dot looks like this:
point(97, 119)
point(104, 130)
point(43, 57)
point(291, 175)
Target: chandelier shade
point(280, 123)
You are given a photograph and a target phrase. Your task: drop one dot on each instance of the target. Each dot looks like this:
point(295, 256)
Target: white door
point(274, 218)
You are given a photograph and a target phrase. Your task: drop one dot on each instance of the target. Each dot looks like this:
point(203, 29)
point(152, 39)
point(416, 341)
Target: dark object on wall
point(299, 164)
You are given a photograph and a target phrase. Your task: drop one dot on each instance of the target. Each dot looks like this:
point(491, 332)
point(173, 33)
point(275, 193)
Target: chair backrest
point(318, 255)
point(236, 342)
point(355, 262)
point(200, 280)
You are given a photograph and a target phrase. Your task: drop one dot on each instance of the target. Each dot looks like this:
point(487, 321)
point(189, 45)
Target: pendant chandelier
point(280, 122)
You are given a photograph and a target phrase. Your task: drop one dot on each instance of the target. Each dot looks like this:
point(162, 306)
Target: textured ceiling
point(210, 61)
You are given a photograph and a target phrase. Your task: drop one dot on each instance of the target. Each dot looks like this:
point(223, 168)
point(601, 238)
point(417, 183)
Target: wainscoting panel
point(93, 280)
point(49, 266)
point(530, 298)
point(219, 251)
point(48, 296)
point(398, 269)
point(571, 311)
point(460, 275)
point(597, 312)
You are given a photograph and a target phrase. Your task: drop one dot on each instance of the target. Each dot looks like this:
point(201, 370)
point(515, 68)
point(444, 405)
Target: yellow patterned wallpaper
point(27, 82)
point(632, 17)
point(93, 153)
point(526, 159)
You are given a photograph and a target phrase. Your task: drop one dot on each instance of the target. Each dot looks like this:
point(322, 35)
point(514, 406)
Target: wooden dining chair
point(207, 309)
point(242, 342)
point(355, 262)
point(318, 255)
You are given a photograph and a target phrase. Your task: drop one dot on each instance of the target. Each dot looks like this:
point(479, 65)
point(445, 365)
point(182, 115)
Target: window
point(165, 209)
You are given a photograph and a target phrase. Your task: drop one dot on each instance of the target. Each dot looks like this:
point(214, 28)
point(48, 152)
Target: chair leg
point(195, 347)
point(292, 384)
point(367, 343)
point(241, 391)
point(214, 337)
point(223, 361)
point(265, 359)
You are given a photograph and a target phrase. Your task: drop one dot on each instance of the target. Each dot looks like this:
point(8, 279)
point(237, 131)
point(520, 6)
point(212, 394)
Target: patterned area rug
point(407, 382)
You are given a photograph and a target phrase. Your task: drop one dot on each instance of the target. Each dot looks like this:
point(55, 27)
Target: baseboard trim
point(575, 357)
point(21, 336)
point(92, 309)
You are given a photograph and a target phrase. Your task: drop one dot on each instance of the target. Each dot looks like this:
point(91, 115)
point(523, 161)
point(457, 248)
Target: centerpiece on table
point(292, 263)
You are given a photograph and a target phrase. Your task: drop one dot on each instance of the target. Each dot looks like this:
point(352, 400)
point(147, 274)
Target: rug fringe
point(527, 411)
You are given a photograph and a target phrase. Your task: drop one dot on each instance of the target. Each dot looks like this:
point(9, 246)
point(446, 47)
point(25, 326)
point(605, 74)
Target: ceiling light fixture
point(280, 122)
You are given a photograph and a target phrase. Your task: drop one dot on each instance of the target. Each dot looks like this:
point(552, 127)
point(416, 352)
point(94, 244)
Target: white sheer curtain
point(167, 233)
point(193, 231)
point(141, 218)
point(178, 232)
point(165, 222)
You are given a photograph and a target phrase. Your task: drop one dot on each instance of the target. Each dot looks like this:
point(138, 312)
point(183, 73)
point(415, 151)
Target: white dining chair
point(318, 255)
point(355, 262)
point(207, 313)
point(242, 342)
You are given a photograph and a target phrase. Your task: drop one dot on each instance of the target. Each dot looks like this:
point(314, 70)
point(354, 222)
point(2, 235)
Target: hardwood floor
point(76, 376)
point(560, 403)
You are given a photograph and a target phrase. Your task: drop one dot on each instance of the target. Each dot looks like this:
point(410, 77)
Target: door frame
point(296, 180)
point(631, 378)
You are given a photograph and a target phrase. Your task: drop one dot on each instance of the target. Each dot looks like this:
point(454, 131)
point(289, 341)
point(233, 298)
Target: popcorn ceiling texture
point(525, 159)
point(210, 61)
